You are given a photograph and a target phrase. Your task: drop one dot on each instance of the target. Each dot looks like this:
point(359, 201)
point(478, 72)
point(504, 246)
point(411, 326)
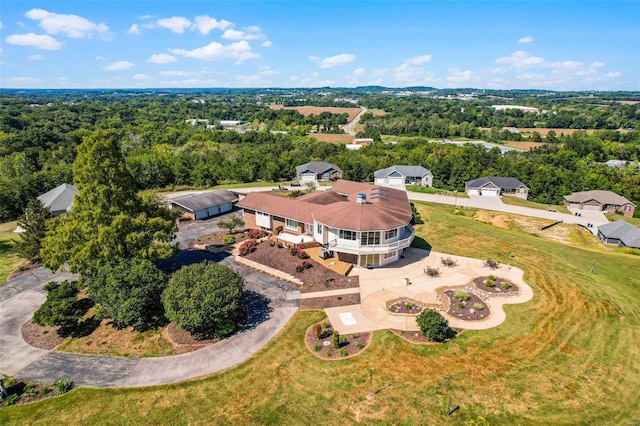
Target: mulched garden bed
point(28, 391)
point(330, 301)
point(498, 286)
point(352, 345)
point(218, 239)
point(404, 306)
point(315, 278)
point(183, 341)
point(468, 311)
point(41, 337)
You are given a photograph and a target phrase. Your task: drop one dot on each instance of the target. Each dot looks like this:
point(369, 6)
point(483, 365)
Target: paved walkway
point(271, 305)
point(380, 285)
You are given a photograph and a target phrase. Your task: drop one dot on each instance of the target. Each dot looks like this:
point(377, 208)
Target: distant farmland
point(332, 138)
point(315, 110)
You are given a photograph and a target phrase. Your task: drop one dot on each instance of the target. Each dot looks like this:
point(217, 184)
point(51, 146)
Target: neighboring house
point(616, 163)
point(317, 171)
point(495, 186)
point(59, 199)
point(360, 223)
point(404, 175)
point(621, 233)
point(604, 201)
point(206, 204)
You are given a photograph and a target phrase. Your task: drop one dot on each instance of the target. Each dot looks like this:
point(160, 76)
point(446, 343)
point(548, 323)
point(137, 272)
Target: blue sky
point(559, 45)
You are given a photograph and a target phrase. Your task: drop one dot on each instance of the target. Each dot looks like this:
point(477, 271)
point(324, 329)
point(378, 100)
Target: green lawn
point(632, 220)
point(427, 190)
point(9, 259)
point(570, 356)
point(517, 201)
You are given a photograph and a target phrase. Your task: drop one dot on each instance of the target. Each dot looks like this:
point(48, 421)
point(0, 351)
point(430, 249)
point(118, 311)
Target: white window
point(392, 233)
point(388, 255)
point(369, 238)
point(347, 235)
point(319, 228)
point(291, 224)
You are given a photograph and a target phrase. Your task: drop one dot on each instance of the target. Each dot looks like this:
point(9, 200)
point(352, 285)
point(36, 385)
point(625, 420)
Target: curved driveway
point(271, 305)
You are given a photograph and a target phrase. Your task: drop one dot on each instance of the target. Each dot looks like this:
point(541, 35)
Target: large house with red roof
point(360, 223)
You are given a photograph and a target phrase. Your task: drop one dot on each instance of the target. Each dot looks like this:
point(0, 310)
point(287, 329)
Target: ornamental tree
point(205, 299)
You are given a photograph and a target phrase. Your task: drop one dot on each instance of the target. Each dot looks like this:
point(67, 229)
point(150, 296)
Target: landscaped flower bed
point(404, 306)
point(321, 339)
point(493, 284)
point(466, 305)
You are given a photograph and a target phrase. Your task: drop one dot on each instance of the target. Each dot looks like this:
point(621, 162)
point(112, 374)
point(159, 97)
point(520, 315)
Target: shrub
point(62, 386)
point(247, 247)
point(316, 347)
point(490, 283)
point(491, 277)
point(317, 330)
point(359, 345)
point(29, 389)
point(461, 305)
point(279, 245)
point(293, 251)
point(228, 239)
point(328, 353)
point(44, 390)
point(205, 299)
point(305, 264)
point(9, 382)
point(478, 306)
point(434, 326)
point(129, 292)
point(11, 399)
point(257, 233)
point(335, 339)
point(343, 352)
point(461, 295)
point(62, 307)
point(302, 254)
point(506, 285)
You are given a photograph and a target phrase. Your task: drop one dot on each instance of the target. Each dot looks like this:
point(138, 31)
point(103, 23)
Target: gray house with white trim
point(495, 186)
point(403, 175)
point(318, 171)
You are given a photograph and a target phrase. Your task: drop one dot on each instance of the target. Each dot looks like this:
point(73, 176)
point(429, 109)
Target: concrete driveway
point(199, 228)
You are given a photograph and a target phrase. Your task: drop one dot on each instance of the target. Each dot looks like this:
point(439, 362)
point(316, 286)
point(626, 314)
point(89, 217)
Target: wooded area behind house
point(40, 131)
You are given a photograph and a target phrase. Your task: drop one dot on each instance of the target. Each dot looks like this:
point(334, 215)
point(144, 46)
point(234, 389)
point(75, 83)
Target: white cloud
point(334, 61)
point(566, 65)
point(266, 43)
point(240, 51)
point(43, 41)
point(422, 59)
point(521, 59)
point(161, 58)
point(612, 74)
point(380, 72)
point(525, 40)
point(177, 24)
point(205, 24)
point(326, 83)
point(100, 58)
point(358, 71)
point(530, 76)
point(598, 65)
point(458, 77)
point(267, 71)
point(231, 34)
point(313, 58)
point(35, 57)
point(119, 66)
point(142, 77)
point(172, 73)
point(20, 82)
point(135, 29)
point(72, 26)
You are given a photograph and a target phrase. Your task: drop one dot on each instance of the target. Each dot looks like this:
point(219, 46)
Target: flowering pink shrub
point(247, 247)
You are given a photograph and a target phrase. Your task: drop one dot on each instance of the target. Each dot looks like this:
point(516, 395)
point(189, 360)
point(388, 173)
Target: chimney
point(362, 198)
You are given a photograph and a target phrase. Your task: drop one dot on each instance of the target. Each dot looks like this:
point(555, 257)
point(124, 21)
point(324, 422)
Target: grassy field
point(9, 259)
point(517, 201)
point(570, 356)
point(632, 220)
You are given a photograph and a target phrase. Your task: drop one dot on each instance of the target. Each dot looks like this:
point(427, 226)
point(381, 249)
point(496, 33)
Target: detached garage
point(204, 205)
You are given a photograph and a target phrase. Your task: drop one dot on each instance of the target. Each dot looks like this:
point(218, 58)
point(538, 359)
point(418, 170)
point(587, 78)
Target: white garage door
point(473, 192)
point(307, 178)
point(592, 207)
point(225, 207)
point(396, 181)
point(489, 192)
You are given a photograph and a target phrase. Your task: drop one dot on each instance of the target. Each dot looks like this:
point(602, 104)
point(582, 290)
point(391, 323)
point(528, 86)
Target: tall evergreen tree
point(34, 226)
point(109, 222)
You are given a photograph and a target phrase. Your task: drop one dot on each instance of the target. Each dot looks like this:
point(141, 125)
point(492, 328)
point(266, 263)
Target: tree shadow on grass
point(257, 307)
point(188, 257)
